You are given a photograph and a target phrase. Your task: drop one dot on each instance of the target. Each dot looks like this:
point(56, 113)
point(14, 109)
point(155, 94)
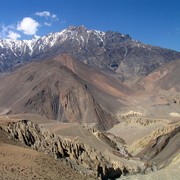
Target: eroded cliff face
point(163, 148)
point(75, 153)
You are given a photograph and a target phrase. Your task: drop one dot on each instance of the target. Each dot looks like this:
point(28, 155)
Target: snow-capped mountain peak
point(109, 49)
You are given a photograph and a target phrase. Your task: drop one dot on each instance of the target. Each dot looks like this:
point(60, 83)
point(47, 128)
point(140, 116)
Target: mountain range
point(109, 50)
point(103, 103)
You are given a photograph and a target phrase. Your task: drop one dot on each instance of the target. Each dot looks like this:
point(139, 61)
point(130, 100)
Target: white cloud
point(54, 16)
point(5, 28)
point(28, 26)
point(47, 24)
point(13, 35)
point(43, 14)
point(47, 14)
point(6, 31)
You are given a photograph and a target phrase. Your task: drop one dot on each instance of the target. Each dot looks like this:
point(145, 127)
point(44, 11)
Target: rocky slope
point(156, 150)
point(172, 172)
point(155, 141)
point(163, 148)
point(107, 50)
point(164, 78)
point(20, 162)
point(51, 89)
point(74, 153)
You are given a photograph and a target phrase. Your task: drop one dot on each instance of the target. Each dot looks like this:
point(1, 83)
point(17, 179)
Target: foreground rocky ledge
point(82, 157)
point(74, 153)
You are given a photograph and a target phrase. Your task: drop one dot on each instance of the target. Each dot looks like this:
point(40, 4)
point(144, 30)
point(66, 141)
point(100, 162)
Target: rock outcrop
point(162, 145)
point(74, 153)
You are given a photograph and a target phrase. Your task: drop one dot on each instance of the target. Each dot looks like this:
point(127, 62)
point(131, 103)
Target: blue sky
point(155, 22)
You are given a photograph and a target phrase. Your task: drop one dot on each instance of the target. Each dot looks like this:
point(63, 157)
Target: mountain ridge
point(109, 51)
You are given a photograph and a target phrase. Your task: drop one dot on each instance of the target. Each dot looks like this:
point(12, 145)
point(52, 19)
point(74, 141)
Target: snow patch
point(174, 114)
